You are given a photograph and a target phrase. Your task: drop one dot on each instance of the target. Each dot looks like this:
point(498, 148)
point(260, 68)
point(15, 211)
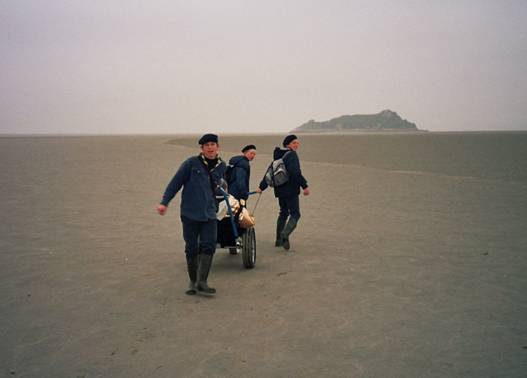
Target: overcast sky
point(108, 66)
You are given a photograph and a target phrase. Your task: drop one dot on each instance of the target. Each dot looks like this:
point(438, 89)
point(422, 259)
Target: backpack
point(276, 174)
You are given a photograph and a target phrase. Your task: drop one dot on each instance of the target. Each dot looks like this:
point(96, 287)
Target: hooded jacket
point(241, 174)
point(296, 180)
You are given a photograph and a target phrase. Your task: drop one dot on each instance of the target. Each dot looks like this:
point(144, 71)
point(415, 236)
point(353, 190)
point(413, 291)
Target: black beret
point(208, 138)
point(249, 147)
point(288, 139)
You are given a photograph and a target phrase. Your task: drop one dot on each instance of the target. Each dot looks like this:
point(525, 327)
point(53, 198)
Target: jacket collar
point(215, 162)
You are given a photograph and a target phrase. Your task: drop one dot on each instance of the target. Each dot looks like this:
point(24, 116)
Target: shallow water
point(489, 155)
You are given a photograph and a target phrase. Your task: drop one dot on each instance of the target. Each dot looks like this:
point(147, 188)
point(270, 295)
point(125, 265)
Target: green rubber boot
point(192, 268)
point(280, 224)
point(288, 229)
point(205, 262)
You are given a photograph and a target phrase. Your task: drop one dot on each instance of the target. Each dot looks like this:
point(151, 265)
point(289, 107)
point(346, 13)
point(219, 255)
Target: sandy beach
point(395, 270)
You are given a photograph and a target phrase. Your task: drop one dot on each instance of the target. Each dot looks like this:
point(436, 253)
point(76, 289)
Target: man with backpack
point(238, 172)
point(285, 176)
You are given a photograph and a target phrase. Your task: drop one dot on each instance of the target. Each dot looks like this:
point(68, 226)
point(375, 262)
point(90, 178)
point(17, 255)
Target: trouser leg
point(191, 231)
point(208, 233)
point(280, 224)
point(293, 207)
point(281, 221)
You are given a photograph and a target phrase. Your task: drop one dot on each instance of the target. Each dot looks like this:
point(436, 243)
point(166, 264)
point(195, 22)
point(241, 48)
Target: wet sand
point(392, 273)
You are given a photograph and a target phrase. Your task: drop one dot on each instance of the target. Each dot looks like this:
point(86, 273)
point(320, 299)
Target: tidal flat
point(409, 261)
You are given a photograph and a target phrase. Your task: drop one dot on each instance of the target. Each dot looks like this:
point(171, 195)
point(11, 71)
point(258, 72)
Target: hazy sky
point(108, 66)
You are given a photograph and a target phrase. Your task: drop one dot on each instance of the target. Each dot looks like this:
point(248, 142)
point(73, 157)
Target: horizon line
point(354, 132)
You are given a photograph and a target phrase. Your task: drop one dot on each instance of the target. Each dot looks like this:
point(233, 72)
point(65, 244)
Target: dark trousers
point(200, 237)
point(289, 206)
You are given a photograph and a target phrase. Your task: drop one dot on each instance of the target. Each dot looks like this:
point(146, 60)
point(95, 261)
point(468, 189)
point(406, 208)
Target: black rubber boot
point(205, 262)
point(192, 268)
point(288, 229)
point(280, 224)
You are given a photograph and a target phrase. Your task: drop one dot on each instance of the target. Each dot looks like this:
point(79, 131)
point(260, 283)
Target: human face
point(294, 145)
point(210, 150)
point(250, 155)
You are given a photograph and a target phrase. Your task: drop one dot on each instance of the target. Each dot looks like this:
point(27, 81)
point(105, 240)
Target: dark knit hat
point(208, 138)
point(249, 147)
point(288, 139)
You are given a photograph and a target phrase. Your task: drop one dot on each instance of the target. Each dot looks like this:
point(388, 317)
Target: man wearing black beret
point(200, 176)
point(288, 193)
point(239, 172)
point(208, 138)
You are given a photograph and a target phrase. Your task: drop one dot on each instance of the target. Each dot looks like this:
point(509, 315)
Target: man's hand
point(306, 191)
point(161, 209)
point(258, 190)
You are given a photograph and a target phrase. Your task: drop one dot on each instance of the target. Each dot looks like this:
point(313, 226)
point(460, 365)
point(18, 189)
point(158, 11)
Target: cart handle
point(256, 205)
point(258, 200)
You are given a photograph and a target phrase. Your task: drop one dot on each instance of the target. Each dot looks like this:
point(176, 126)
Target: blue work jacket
point(240, 177)
point(198, 200)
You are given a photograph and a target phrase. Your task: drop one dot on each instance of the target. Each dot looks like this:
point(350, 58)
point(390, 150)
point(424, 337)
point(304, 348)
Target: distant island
point(386, 120)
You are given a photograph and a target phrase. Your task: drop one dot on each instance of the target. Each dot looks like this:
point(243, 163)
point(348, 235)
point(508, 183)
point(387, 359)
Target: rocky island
point(386, 120)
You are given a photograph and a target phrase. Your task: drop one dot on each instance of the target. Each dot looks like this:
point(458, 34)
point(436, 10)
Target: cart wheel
point(249, 248)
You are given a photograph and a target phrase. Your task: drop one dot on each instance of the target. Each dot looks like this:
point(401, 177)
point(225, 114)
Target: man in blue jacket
point(288, 193)
point(240, 172)
point(200, 176)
